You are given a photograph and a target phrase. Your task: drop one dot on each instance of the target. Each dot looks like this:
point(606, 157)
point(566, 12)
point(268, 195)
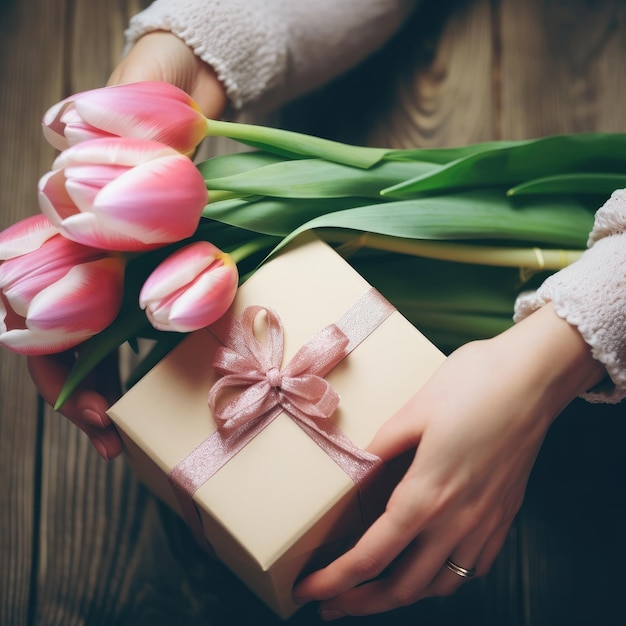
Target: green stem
point(530, 258)
point(251, 247)
point(216, 195)
point(285, 142)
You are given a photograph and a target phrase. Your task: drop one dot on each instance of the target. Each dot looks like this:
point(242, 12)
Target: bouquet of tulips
point(135, 239)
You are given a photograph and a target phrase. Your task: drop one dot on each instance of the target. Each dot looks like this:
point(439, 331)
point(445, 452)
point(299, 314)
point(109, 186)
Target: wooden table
point(82, 543)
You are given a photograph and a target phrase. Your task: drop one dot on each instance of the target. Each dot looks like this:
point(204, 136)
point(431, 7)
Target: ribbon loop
point(251, 372)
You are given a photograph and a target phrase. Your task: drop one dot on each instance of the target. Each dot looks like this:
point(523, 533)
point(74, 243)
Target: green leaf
point(316, 178)
point(478, 215)
point(579, 183)
point(238, 163)
point(129, 324)
point(433, 285)
point(276, 216)
point(525, 160)
point(446, 155)
point(164, 344)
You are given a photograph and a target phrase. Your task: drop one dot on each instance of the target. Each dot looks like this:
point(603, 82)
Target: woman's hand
point(159, 56)
point(478, 424)
point(162, 56)
point(87, 406)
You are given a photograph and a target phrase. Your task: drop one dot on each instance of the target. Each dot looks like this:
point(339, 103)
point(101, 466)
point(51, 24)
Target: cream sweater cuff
point(267, 52)
point(590, 294)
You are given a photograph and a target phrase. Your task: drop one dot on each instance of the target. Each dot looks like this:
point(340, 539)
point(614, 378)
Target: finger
point(48, 372)
point(492, 549)
point(405, 582)
point(401, 432)
point(378, 547)
point(420, 570)
point(409, 510)
point(475, 554)
point(107, 442)
point(85, 408)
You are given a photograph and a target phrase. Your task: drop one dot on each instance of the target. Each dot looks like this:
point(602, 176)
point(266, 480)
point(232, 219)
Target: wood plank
point(441, 86)
point(28, 84)
point(97, 523)
point(562, 69)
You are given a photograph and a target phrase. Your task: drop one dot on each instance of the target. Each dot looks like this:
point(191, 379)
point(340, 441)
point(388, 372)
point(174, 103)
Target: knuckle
point(402, 595)
point(445, 588)
point(368, 567)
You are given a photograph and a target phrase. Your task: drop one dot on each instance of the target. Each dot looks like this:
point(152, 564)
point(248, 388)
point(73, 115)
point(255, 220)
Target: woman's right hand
point(162, 56)
point(157, 56)
point(87, 406)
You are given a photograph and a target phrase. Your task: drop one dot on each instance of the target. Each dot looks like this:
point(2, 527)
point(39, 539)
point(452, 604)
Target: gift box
point(283, 484)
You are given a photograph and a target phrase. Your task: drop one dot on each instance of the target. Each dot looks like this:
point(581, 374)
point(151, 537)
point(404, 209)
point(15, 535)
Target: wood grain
point(28, 85)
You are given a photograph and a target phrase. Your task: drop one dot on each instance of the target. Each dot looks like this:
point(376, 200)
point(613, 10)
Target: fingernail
point(92, 417)
point(100, 448)
point(328, 615)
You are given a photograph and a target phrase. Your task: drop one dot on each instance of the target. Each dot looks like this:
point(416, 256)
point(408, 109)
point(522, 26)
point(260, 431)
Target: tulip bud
point(151, 111)
point(57, 295)
point(191, 289)
point(123, 194)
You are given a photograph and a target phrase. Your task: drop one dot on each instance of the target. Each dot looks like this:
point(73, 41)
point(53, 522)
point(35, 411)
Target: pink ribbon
point(252, 368)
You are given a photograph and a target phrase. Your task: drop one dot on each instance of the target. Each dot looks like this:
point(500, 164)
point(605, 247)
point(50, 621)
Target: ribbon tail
point(204, 461)
point(365, 469)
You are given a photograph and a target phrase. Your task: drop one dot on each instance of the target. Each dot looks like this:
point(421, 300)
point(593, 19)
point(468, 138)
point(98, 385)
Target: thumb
point(400, 433)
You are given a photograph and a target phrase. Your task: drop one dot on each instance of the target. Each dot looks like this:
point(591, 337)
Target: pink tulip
point(146, 110)
point(123, 194)
point(190, 289)
point(57, 295)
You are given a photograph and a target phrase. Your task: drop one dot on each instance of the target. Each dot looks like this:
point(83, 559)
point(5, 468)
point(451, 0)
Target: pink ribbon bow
point(253, 367)
point(257, 391)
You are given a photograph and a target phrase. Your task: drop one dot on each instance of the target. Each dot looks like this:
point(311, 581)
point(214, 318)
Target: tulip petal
point(157, 202)
point(15, 336)
point(25, 236)
point(90, 230)
point(54, 201)
point(204, 301)
point(31, 272)
point(83, 183)
point(31, 343)
point(52, 126)
point(87, 299)
point(112, 150)
point(178, 270)
point(123, 194)
point(145, 111)
point(76, 129)
point(200, 302)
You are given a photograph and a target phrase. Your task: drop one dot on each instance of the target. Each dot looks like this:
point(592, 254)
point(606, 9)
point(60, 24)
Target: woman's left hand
point(478, 425)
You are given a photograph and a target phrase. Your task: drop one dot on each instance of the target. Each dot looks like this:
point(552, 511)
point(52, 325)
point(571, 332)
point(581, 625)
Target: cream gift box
point(281, 502)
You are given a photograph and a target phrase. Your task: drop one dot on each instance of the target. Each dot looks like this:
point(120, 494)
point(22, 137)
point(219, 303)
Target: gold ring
point(460, 571)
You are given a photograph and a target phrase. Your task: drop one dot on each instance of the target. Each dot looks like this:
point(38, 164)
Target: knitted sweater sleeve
point(266, 52)
point(591, 295)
